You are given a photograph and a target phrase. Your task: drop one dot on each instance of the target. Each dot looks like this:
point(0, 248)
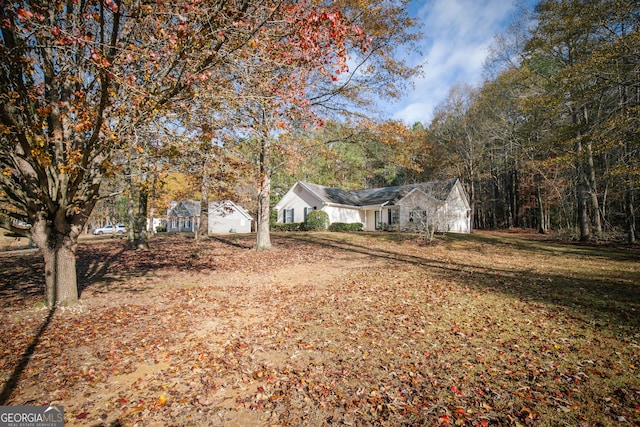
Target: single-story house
point(183, 216)
point(443, 205)
point(224, 217)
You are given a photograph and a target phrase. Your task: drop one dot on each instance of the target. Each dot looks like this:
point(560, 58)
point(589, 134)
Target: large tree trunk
point(263, 236)
point(59, 252)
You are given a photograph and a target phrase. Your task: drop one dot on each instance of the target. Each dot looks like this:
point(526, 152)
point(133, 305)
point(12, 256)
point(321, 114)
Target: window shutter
point(288, 216)
point(306, 212)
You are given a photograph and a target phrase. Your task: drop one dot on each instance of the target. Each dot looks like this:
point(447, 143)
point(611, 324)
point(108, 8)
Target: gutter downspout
point(381, 206)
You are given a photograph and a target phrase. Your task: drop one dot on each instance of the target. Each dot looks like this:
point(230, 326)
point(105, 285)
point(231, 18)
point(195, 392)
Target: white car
point(109, 229)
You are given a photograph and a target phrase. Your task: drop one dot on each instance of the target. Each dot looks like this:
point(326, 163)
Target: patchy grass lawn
point(331, 329)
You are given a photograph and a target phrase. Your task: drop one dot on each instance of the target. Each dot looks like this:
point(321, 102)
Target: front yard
point(330, 329)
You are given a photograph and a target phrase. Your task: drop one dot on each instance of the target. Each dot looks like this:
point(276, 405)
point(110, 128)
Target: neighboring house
point(227, 217)
point(224, 217)
point(183, 216)
point(441, 204)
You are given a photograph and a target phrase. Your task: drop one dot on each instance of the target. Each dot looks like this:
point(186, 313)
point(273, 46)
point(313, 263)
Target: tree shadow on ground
point(604, 300)
point(101, 267)
point(541, 244)
point(22, 278)
point(106, 265)
point(12, 382)
point(238, 243)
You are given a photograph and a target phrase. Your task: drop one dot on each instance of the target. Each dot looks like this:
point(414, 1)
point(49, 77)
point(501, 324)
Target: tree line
point(551, 140)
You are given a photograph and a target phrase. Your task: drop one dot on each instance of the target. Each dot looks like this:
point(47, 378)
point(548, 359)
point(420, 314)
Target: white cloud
point(457, 34)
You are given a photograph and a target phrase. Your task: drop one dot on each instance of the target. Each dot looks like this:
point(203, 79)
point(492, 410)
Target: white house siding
point(231, 222)
point(307, 199)
point(298, 211)
point(458, 216)
point(298, 200)
point(343, 214)
point(420, 202)
point(369, 219)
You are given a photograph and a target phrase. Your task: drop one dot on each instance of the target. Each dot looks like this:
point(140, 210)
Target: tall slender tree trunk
point(152, 212)
point(593, 192)
point(131, 223)
point(508, 204)
point(59, 253)
point(631, 215)
point(152, 215)
point(263, 235)
point(203, 227)
point(495, 193)
point(472, 203)
point(515, 199)
point(581, 189)
point(141, 236)
point(541, 212)
point(583, 216)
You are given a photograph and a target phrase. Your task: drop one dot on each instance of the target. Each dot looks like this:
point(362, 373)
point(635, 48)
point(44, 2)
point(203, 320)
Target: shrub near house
point(317, 221)
point(343, 226)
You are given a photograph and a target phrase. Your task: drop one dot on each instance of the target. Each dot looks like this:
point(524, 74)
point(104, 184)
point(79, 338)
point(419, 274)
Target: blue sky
point(456, 37)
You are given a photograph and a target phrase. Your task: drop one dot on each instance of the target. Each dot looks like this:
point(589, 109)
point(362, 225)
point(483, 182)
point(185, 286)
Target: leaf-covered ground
point(330, 329)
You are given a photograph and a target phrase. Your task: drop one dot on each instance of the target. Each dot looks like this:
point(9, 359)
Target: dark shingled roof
point(186, 209)
point(378, 196)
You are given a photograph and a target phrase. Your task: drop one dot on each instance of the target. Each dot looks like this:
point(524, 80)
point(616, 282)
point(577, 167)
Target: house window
point(378, 220)
point(394, 216)
point(288, 215)
point(187, 224)
point(174, 223)
point(417, 215)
